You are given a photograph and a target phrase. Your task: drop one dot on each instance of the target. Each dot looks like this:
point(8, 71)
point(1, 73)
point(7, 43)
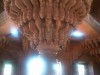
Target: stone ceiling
point(95, 11)
point(1, 6)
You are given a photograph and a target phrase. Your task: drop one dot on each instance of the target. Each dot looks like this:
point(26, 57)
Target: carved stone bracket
point(92, 46)
point(46, 22)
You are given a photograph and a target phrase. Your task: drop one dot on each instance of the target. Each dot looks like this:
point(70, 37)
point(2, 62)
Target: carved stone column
point(46, 22)
point(50, 61)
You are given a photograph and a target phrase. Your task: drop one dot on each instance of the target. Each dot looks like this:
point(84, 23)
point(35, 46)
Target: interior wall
point(96, 69)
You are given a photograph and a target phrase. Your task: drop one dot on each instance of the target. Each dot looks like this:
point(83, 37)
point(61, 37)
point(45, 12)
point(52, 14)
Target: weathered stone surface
point(92, 46)
point(47, 22)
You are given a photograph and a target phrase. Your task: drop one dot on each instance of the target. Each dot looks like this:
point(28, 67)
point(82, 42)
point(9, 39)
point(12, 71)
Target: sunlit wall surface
point(35, 66)
point(58, 68)
point(81, 69)
point(77, 34)
point(7, 70)
point(14, 32)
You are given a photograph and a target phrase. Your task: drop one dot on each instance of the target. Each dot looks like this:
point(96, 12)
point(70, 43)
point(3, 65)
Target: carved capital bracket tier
point(46, 22)
point(92, 46)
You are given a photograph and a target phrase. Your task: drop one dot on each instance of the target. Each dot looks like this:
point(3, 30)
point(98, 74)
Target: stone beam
point(94, 24)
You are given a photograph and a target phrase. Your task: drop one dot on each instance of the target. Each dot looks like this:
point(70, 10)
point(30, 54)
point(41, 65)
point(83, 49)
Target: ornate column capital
point(46, 22)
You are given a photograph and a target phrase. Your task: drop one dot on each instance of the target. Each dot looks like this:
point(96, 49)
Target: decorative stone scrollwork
point(93, 47)
point(47, 22)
